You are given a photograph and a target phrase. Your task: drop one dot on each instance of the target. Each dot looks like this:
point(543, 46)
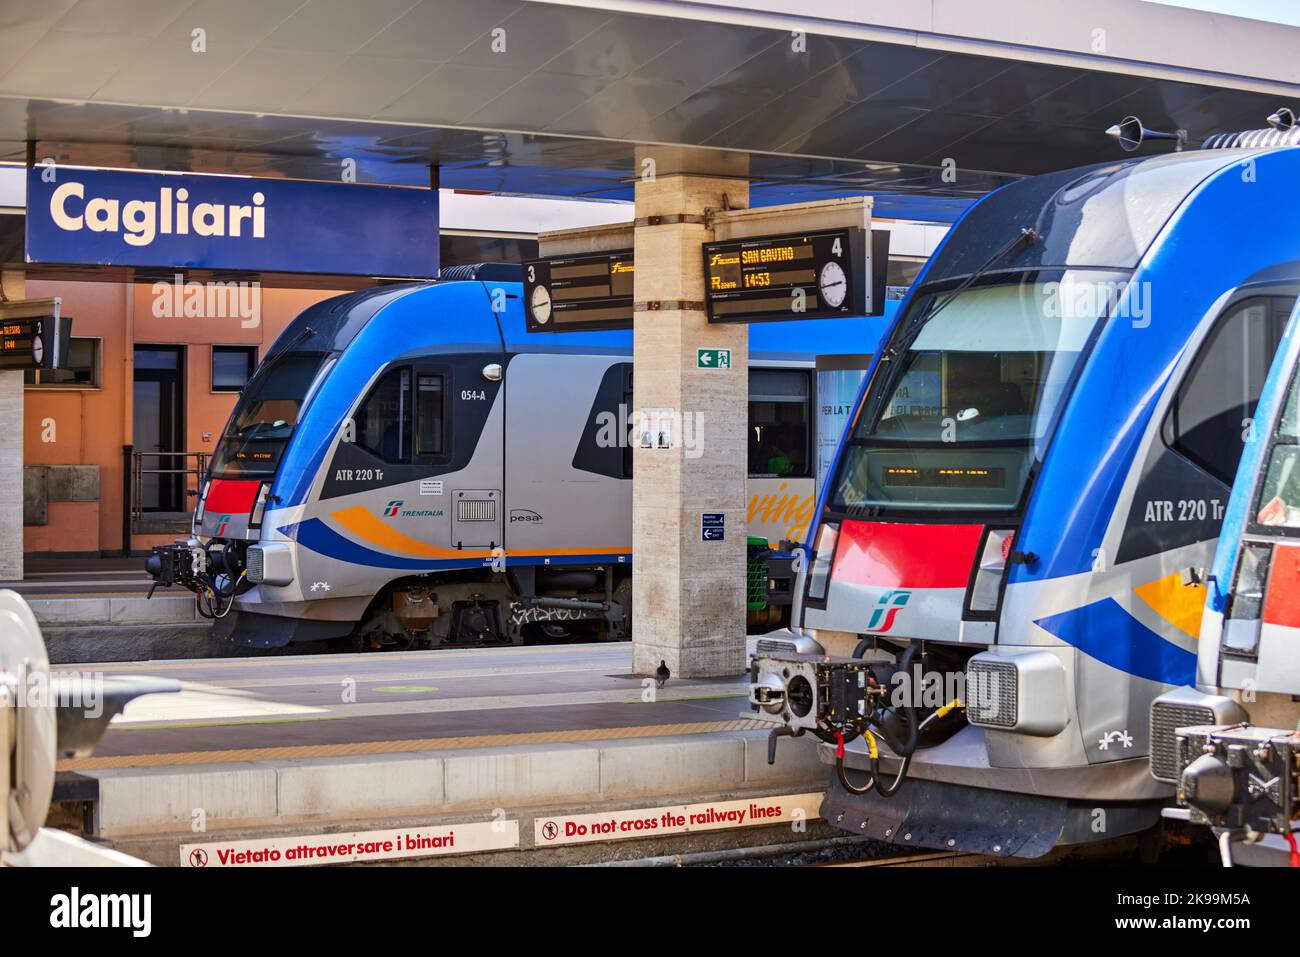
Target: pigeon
point(662, 674)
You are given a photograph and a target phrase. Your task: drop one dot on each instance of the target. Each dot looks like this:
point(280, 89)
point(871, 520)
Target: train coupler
point(781, 732)
point(183, 563)
point(829, 697)
point(1240, 777)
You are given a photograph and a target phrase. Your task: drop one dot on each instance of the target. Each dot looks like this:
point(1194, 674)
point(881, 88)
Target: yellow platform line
point(397, 747)
point(288, 661)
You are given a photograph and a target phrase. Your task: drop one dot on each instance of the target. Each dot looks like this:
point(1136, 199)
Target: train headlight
point(987, 587)
point(198, 511)
point(259, 507)
point(271, 563)
point(819, 575)
point(1252, 576)
point(1021, 691)
point(1184, 708)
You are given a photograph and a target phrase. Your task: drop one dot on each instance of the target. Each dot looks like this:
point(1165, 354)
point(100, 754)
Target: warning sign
point(300, 851)
point(684, 818)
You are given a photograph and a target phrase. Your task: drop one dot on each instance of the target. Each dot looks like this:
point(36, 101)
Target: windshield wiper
point(1028, 235)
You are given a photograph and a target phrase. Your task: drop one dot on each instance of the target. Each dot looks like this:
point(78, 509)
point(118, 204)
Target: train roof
point(331, 325)
point(1103, 216)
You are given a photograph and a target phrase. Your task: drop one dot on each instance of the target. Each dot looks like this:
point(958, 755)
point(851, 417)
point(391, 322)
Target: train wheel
point(558, 632)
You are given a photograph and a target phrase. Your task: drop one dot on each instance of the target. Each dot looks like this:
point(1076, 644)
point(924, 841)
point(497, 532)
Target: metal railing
point(189, 464)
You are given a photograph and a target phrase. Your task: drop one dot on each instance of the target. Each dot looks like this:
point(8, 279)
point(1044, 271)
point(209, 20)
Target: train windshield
point(965, 403)
point(1279, 494)
point(265, 416)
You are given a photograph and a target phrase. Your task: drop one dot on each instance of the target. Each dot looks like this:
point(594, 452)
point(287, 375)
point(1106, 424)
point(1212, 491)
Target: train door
point(568, 463)
point(1173, 523)
point(469, 385)
point(424, 468)
point(1183, 489)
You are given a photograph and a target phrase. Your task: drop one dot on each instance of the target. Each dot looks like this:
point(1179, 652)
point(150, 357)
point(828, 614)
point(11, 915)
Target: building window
point(232, 367)
point(83, 371)
point(780, 433)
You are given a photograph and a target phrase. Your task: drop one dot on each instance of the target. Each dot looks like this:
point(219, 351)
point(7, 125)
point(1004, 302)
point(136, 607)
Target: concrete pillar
point(11, 453)
point(688, 606)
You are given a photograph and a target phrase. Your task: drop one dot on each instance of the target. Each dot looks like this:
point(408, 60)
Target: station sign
point(193, 221)
point(427, 840)
point(557, 830)
point(713, 358)
point(33, 335)
point(573, 293)
point(814, 275)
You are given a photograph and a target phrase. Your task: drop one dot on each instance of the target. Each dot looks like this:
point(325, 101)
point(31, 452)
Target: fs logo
point(222, 522)
point(392, 508)
point(887, 608)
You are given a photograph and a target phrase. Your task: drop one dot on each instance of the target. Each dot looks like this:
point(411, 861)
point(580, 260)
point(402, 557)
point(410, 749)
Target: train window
point(429, 420)
point(1279, 493)
point(383, 423)
point(265, 416)
point(958, 418)
point(779, 429)
point(604, 447)
point(1208, 420)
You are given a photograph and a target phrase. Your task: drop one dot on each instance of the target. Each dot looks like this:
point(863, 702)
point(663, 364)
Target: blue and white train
point(1231, 743)
point(410, 466)
point(1003, 572)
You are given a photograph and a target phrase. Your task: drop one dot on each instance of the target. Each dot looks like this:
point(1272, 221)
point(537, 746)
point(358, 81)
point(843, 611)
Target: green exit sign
point(713, 358)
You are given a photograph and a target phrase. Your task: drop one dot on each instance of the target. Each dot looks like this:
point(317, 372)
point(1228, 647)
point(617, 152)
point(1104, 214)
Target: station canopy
point(927, 105)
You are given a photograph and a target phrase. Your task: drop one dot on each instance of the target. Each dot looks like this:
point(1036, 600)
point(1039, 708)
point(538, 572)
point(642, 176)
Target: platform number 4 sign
point(713, 358)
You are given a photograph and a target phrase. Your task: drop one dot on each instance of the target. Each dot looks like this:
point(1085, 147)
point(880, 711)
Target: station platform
point(55, 577)
point(267, 748)
point(100, 609)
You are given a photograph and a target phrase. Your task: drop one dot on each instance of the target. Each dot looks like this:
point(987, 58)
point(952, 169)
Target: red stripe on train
point(909, 556)
point(229, 495)
point(1282, 602)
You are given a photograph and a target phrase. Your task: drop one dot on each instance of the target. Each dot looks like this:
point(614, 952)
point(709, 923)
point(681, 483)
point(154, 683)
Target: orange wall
point(92, 425)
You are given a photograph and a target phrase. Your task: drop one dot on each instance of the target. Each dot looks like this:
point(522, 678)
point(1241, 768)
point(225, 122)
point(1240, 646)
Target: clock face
point(541, 305)
point(38, 349)
point(833, 285)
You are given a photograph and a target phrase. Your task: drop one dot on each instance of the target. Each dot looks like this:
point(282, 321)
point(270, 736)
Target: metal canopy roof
point(296, 87)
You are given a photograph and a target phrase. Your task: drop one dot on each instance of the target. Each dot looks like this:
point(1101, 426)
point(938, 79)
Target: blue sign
point(186, 220)
point(713, 526)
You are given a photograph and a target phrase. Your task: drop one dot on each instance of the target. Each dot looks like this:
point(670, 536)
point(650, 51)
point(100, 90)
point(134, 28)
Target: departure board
point(814, 275)
point(34, 342)
point(572, 293)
